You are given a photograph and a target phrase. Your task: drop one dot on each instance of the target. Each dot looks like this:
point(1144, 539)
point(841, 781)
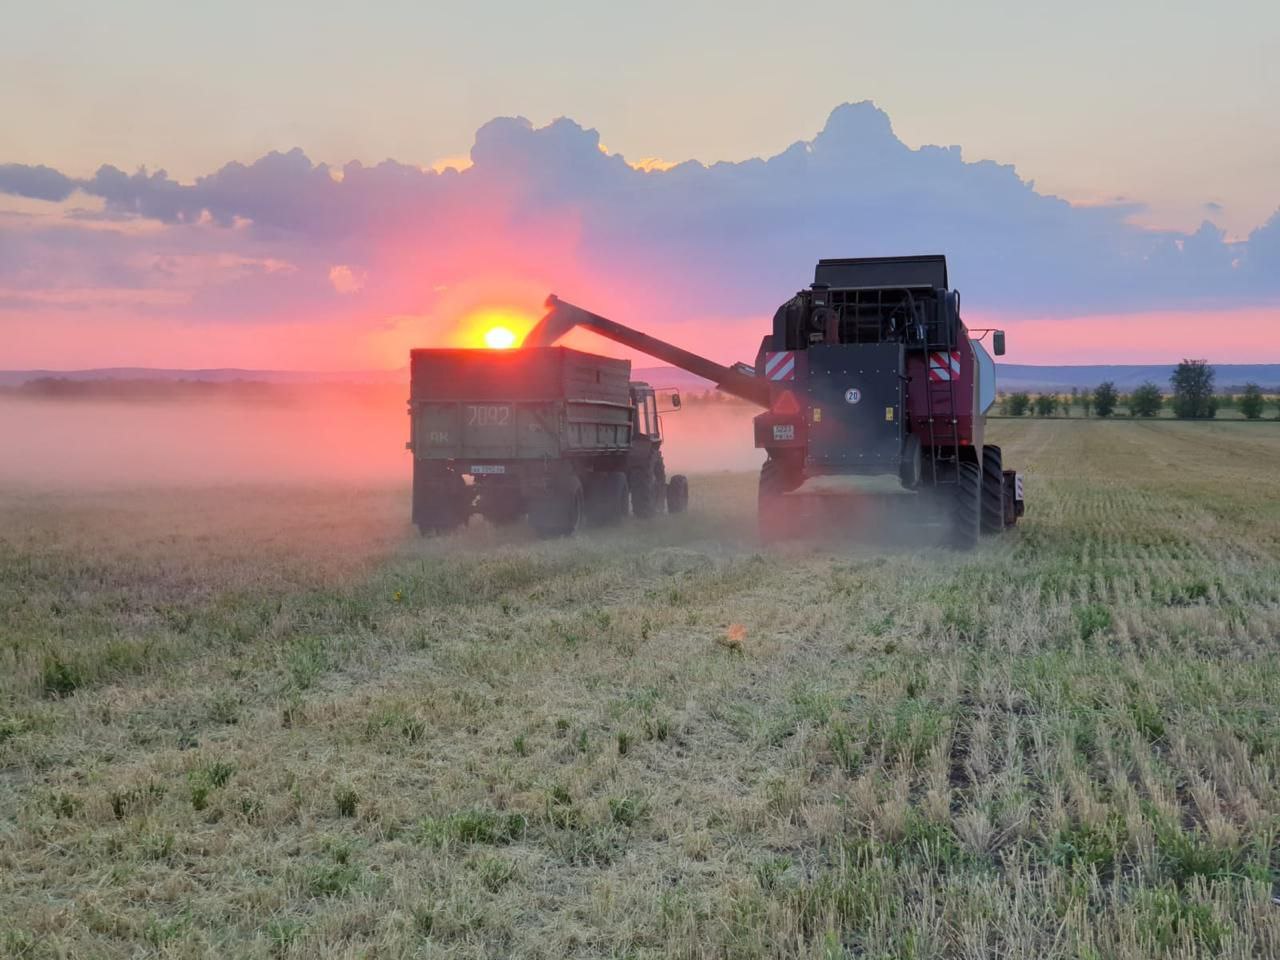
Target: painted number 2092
point(488, 416)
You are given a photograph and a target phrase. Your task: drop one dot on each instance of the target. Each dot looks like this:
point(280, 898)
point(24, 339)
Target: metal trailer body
point(869, 371)
point(552, 434)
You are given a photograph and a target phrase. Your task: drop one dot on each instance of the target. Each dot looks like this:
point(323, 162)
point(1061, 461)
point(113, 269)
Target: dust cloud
point(286, 434)
point(709, 436)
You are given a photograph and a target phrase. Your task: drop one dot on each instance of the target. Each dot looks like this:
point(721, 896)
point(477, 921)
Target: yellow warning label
point(888, 414)
point(817, 414)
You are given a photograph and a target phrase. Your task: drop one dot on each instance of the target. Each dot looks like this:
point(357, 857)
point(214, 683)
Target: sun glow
point(499, 338)
point(493, 328)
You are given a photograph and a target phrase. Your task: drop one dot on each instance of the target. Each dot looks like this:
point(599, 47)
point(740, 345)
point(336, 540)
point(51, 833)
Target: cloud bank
point(546, 208)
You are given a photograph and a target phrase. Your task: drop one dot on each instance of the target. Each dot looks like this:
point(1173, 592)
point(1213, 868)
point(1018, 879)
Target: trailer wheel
point(992, 490)
point(501, 508)
point(440, 501)
point(678, 494)
point(558, 512)
point(643, 499)
point(606, 499)
point(966, 507)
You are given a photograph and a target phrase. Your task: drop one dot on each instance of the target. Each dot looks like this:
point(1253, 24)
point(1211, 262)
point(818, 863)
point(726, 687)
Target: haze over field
point(287, 435)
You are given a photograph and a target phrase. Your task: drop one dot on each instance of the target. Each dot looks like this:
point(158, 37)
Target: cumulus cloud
point(35, 182)
point(677, 241)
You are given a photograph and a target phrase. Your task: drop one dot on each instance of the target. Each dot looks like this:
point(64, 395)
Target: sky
point(327, 185)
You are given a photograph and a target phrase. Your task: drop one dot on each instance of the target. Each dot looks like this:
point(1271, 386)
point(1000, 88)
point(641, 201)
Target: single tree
point(1018, 404)
point(1046, 403)
point(1251, 401)
point(1105, 399)
point(1145, 401)
point(1086, 401)
point(1064, 404)
point(1193, 390)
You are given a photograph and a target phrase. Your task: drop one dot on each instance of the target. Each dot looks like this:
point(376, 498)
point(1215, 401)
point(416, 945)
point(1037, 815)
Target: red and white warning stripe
point(944, 366)
point(780, 365)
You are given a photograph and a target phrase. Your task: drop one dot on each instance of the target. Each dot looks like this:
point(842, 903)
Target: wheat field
point(270, 721)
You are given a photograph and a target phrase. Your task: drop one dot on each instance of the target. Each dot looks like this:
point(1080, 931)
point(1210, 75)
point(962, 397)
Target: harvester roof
point(879, 272)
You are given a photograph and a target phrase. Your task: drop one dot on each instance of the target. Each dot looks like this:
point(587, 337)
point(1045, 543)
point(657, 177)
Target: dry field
point(269, 721)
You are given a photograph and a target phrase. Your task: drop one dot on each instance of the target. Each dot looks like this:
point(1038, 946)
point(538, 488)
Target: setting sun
point(492, 328)
point(499, 338)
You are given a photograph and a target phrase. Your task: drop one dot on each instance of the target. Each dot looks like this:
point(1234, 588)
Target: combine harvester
point(868, 372)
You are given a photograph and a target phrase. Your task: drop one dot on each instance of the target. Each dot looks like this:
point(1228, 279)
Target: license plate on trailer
point(487, 468)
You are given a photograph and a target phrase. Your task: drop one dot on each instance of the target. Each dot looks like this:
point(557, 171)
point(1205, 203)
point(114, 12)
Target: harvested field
point(270, 721)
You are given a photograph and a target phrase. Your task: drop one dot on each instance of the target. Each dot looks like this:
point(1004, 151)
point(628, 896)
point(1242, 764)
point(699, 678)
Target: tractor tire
point(557, 512)
point(678, 494)
point(992, 490)
point(966, 507)
point(607, 498)
point(441, 502)
point(644, 492)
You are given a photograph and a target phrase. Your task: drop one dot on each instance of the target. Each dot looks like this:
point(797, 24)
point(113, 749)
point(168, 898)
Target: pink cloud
point(347, 279)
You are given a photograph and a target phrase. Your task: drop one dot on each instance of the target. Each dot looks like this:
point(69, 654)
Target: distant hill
point(1011, 376)
point(13, 378)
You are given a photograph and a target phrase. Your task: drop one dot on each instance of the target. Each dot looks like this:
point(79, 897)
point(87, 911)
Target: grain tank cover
point(986, 376)
point(880, 272)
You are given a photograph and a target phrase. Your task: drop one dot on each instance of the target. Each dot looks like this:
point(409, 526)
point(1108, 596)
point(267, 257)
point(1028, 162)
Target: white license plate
point(487, 468)
point(784, 431)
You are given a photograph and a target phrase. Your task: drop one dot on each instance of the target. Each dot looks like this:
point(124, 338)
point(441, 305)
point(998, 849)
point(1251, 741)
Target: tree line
point(1191, 397)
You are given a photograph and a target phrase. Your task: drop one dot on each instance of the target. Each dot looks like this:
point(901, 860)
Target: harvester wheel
point(992, 490)
point(440, 501)
point(606, 498)
point(909, 470)
point(966, 508)
point(678, 494)
point(776, 478)
point(557, 512)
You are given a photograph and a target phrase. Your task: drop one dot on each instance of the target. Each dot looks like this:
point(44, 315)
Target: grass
point(274, 723)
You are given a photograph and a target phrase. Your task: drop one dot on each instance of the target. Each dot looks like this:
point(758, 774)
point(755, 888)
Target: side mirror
point(997, 343)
